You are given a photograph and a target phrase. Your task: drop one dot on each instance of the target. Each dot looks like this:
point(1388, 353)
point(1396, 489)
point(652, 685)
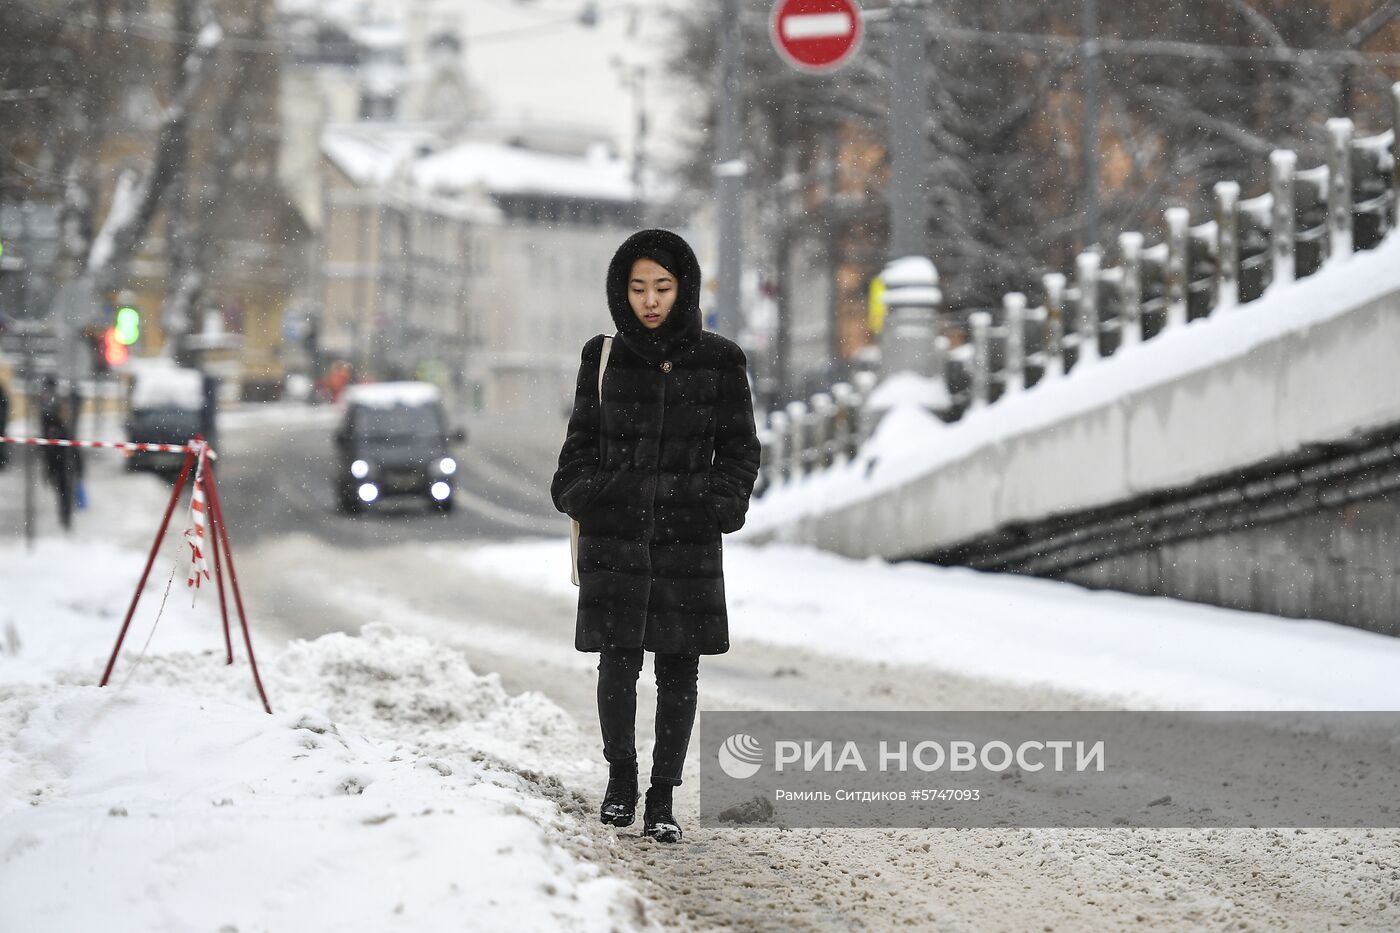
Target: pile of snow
point(65, 601)
point(907, 388)
point(172, 801)
point(1140, 651)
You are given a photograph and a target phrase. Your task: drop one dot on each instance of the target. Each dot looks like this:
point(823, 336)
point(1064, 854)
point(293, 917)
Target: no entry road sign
point(816, 35)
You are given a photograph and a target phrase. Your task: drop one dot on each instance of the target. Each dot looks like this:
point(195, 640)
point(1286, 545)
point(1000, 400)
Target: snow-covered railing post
point(1339, 198)
point(1395, 156)
point(1248, 247)
point(1227, 245)
point(844, 434)
point(1052, 356)
point(981, 323)
point(799, 452)
point(823, 430)
point(1284, 233)
point(780, 439)
point(912, 300)
point(866, 381)
point(1178, 230)
point(1014, 373)
point(766, 473)
point(1086, 315)
point(1130, 261)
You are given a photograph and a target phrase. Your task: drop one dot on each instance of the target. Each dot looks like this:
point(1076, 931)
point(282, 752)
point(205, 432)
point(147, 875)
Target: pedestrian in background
point(4, 425)
point(654, 475)
point(63, 465)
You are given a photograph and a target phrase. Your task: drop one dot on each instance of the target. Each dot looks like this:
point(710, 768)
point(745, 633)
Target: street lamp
point(633, 78)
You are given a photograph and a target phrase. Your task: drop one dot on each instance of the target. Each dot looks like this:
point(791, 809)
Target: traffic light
point(113, 347)
point(128, 326)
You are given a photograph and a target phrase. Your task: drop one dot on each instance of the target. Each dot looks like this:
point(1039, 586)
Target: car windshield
point(397, 423)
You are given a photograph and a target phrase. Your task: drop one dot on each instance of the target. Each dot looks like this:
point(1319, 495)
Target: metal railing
point(1247, 248)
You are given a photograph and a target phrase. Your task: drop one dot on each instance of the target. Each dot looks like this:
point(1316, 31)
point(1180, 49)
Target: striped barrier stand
point(204, 504)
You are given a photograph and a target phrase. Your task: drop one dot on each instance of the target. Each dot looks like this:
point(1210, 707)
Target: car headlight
point(359, 469)
point(447, 466)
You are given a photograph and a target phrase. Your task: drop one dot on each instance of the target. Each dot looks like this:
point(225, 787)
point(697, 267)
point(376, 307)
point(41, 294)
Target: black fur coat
point(655, 477)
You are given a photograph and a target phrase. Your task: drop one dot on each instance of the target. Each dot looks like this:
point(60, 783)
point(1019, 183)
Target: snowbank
point(1139, 650)
point(64, 604)
point(170, 801)
point(909, 389)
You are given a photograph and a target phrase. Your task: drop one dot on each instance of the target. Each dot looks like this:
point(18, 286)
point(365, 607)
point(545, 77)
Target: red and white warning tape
point(107, 445)
point(194, 535)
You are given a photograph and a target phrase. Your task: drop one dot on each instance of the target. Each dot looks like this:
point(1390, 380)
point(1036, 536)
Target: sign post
point(820, 36)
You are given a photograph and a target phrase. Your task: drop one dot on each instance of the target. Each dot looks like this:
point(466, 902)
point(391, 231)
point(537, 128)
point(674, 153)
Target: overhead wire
point(1030, 41)
point(149, 30)
point(1169, 48)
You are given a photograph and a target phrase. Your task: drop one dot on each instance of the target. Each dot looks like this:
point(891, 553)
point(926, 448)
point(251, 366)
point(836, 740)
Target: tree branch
point(190, 240)
point(1265, 27)
point(137, 197)
point(1372, 23)
point(1180, 110)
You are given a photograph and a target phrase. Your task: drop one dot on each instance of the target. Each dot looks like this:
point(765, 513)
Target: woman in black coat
point(654, 476)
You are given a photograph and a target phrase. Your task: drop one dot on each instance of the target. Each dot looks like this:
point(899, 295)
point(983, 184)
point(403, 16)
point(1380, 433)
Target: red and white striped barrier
point(105, 445)
point(205, 513)
point(194, 535)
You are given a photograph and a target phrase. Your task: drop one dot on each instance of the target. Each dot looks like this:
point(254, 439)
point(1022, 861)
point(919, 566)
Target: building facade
point(475, 264)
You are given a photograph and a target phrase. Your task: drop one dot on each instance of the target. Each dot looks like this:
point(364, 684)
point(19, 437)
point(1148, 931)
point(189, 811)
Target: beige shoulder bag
point(573, 522)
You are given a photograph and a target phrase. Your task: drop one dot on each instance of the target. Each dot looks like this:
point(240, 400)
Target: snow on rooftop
point(369, 158)
point(378, 35)
point(392, 394)
point(504, 169)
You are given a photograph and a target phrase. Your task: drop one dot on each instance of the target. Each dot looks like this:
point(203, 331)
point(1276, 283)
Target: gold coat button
point(666, 366)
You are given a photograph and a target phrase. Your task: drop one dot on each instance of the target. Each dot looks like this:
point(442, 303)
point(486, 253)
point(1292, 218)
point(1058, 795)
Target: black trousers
point(677, 690)
point(65, 485)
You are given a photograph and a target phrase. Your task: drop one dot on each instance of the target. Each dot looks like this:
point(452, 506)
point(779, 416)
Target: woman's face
point(651, 291)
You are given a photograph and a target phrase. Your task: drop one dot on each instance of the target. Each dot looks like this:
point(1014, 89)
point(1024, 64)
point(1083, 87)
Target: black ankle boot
point(620, 801)
point(658, 822)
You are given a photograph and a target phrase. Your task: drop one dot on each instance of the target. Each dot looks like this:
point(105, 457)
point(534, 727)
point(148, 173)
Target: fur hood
point(683, 324)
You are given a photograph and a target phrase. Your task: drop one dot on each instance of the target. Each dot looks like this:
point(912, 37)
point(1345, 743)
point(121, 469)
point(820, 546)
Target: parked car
point(169, 405)
point(393, 442)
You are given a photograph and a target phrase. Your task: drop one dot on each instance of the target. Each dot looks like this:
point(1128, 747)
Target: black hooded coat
point(657, 475)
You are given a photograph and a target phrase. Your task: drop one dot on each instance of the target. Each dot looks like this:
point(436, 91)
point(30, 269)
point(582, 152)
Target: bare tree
point(1195, 91)
point(139, 192)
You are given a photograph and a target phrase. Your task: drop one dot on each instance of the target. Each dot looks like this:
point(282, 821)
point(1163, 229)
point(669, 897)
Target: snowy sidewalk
point(373, 799)
point(1142, 652)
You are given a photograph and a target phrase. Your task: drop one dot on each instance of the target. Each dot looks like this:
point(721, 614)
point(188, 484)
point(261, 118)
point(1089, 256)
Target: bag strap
point(602, 365)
